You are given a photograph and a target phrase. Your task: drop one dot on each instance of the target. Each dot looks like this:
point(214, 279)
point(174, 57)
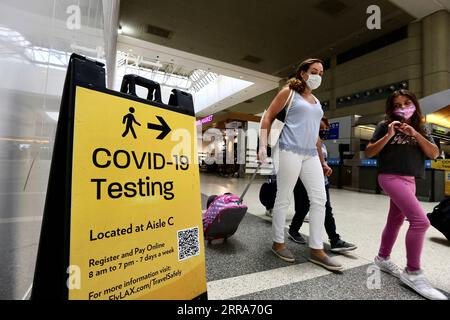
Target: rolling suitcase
point(224, 213)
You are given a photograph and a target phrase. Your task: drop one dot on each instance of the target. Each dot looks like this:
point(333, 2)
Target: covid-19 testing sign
point(135, 227)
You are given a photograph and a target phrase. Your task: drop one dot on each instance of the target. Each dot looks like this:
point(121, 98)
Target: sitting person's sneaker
point(417, 281)
point(342, 246)
point(325, 262)
point(296, 237)
point(387, 266)
point(284, 254)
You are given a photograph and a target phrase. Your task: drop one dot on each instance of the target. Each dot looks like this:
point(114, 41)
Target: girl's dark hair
point(297, 83)
point(417, 120)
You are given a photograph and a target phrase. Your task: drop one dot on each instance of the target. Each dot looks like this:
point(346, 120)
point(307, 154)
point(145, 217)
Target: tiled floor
point(245, 268)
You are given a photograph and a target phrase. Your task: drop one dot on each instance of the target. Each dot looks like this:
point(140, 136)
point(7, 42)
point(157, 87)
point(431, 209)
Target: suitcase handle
point(250, 182)
point(130, 81)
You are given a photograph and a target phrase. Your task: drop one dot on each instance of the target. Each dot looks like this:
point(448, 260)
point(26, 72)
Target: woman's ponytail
point(297, 84)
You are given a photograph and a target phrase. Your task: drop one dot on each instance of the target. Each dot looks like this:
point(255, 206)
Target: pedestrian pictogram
point(128, 120)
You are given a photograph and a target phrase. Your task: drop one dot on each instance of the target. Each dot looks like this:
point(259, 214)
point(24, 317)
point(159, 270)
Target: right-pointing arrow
point(164, 128)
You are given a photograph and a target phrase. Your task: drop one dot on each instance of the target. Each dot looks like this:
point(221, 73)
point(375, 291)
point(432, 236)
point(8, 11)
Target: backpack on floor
point(440, 217)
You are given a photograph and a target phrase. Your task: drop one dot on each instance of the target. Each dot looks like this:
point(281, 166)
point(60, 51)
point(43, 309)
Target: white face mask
point(314, 81)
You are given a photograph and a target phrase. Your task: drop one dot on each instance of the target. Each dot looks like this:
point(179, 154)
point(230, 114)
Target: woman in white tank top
point(299, 156)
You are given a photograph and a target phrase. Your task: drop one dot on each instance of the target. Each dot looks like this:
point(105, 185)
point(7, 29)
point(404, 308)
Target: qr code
point(188, 243)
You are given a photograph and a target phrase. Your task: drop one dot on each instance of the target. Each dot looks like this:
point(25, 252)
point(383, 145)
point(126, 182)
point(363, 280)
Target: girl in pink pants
point(402, 146)
point(404, 204)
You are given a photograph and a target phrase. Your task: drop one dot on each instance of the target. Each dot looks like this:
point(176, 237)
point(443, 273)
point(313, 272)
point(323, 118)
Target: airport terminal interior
point(232, 58)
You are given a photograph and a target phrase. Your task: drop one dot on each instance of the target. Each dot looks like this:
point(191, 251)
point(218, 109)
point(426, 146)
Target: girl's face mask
point(406, 112)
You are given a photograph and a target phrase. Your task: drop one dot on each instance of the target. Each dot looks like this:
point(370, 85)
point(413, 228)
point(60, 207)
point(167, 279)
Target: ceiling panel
point(275, 35)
